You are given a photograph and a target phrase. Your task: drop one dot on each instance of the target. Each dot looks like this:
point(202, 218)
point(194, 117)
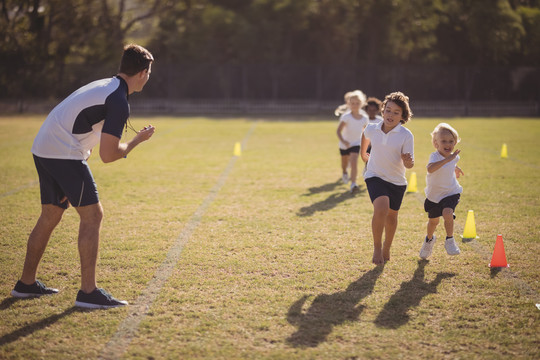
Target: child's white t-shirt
point(352, 131)
point(386, 149)
point(443, 182)
point(376, 119)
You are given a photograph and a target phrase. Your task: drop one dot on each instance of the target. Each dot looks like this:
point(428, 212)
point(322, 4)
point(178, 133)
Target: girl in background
point(373, 109)
point(349, 132)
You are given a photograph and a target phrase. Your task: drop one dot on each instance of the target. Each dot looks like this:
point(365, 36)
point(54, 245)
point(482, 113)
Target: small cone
point(499, 257)
point(504, 151)
point(237, 149)
point(413, 186)
point(470, 228)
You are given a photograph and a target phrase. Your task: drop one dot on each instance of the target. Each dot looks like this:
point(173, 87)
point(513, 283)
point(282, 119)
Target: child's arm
point(407, 152)
point(363, 148)
point(408, 160)
point(458, 171)
point(432, 167)
point(340, 137)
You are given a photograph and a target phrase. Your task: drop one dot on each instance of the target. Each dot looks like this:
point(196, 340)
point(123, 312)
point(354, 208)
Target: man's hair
point(135, 59)
point(401, 100)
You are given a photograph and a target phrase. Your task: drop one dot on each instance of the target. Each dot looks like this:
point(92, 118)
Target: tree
point(41, 37)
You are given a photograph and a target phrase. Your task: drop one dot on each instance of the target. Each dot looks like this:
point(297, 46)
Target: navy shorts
point(352, 149)
point(62, 177)
point(435, 210)
point(378, 187)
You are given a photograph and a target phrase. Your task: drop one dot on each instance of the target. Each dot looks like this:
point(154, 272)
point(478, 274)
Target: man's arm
point(111, 149)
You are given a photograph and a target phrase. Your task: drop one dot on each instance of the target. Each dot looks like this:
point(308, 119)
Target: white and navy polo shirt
point(386, 149)
point(74, 126)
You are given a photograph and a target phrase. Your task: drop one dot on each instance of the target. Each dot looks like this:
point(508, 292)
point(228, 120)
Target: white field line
point(120, 341)
point(20, 188)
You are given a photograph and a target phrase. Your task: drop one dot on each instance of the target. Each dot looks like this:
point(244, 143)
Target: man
point(95, 113)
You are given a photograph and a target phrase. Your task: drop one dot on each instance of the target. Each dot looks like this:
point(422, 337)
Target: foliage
point(530, 47)
point(41, 37)
point(50, 46)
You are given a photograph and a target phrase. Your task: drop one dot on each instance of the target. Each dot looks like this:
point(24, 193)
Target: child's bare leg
point(353, 159)
point(431, 226)
point(389, 232)
point(448, 216)
point(381, 206)
point(344, 163)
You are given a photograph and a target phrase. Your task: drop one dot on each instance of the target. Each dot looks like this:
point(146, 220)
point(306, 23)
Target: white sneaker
point(354, 189)
point(451, 246)
point(427, 247)
point(345, 178)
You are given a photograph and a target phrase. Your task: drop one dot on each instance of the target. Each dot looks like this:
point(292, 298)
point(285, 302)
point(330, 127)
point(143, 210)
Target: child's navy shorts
point(378, 187)
point(352, 149)
point(435, 210)
point(62, 177)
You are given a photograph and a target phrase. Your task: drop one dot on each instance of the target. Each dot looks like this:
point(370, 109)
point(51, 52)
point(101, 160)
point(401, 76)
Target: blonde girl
point(349, 132)
point(442, 188)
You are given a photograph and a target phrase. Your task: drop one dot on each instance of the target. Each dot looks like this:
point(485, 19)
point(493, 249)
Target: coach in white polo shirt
point(94, 114)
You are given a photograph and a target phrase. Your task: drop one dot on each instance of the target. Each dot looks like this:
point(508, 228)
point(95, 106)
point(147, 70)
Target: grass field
point(267, 255)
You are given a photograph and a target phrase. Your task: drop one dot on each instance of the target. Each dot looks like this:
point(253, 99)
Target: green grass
point(279, 264)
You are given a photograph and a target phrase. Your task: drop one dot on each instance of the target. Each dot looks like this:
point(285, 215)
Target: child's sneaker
point(345, 178)
point(98, 299)
point(37, 289)
point(451, 246)
point(427, 247)
point(354, 189)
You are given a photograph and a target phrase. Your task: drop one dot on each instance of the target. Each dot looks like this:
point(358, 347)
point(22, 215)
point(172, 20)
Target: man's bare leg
point(38, 240)
point(89, 228)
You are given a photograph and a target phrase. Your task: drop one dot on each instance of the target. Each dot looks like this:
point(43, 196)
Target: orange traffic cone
point(499, 257)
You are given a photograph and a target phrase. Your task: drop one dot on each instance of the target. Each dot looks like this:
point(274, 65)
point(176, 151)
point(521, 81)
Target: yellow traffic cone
point(504, 151)
point(413, 186)
point(469, 232)
point(237, 149)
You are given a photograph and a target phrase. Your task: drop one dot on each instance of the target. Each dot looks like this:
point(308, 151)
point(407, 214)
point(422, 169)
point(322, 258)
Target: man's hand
point(111, 149)
point(146, 133)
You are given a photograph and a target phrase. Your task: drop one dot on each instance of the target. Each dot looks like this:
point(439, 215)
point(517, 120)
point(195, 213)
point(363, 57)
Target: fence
point(141, 105)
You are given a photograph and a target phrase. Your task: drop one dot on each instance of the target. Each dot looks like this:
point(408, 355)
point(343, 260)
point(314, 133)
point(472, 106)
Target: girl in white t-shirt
point(349, 131)
point(392, 151)
point(442, 188)
point(373, 109)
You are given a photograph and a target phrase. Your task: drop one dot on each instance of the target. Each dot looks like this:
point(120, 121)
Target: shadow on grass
point(323, 188)
point(395, 312)
point(7, 302)
point(329, 203)
point(35, 326)
point(494, 271)
point(326, 311)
